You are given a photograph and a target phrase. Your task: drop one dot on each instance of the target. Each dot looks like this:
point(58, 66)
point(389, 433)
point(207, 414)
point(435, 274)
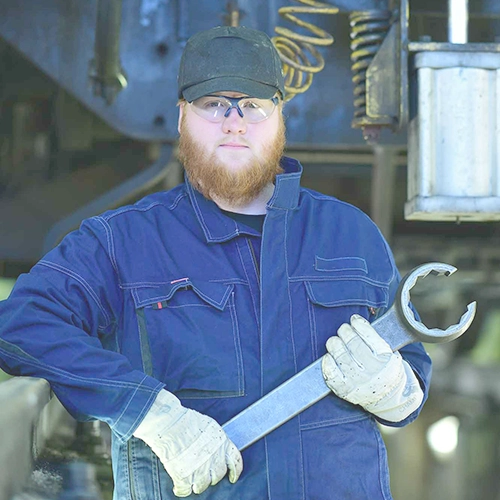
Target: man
point(166, 318)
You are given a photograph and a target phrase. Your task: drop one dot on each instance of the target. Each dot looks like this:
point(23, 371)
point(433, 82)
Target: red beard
point(216, 181)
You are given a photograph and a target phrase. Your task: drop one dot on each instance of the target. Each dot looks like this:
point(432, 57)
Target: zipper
point(254, 258)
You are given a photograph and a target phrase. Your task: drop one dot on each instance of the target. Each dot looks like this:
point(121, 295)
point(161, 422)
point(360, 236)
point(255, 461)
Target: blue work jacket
point(171, 292)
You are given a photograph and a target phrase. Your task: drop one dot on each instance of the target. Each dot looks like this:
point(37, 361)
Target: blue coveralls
point(170, 292)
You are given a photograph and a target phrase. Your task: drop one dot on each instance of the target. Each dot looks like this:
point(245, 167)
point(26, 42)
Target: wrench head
point(420, 331)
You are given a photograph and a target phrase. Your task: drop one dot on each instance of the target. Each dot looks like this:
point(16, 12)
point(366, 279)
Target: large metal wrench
point(398, 326)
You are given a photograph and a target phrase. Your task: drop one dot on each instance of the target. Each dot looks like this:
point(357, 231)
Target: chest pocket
point(190, 338)
point(333, 302)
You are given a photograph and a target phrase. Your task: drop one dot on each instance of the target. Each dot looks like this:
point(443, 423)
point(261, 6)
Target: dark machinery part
point(106, 75)
point(379, 55)
point(368, 31)
point(233, 14)
point(293, 48)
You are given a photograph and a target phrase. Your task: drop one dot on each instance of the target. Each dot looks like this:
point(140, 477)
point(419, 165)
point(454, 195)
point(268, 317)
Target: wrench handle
point(296, 394)
point(393, 330)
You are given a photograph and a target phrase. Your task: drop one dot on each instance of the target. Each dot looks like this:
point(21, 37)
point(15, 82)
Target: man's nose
point(234, 123)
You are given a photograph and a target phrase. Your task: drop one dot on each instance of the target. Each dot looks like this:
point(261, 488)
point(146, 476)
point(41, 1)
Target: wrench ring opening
point(424, 334)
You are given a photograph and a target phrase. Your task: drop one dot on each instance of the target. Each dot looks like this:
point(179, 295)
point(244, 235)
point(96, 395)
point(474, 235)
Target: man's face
point(231, 160)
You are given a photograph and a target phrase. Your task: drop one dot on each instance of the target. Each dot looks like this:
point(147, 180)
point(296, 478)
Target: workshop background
point(393, 106)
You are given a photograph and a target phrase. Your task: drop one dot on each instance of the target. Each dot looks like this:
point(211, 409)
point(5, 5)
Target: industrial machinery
point(388, 82)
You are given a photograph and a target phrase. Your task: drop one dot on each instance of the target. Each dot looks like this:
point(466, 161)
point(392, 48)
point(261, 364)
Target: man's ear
point(181, 114)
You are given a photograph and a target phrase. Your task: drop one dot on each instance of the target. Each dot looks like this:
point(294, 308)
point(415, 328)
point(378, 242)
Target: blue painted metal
point(58, 36)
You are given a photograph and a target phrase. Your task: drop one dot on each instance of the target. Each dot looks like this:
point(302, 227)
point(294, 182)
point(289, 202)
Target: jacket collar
point(217, 227)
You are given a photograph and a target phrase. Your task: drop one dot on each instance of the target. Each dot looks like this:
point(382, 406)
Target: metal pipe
point(383, 189)
point(106, 74)
point(458, 21)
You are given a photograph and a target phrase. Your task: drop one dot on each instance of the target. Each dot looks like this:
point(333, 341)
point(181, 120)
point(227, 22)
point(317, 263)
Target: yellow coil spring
point(298, 68)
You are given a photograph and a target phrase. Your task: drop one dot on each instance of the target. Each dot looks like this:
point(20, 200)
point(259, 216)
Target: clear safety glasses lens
point(216, 108)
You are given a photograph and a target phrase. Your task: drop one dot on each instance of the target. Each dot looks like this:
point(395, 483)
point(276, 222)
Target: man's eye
point(249, 105)
point(214, 104)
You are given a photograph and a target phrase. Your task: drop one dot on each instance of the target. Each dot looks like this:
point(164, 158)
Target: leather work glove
point(361, 368)
point(193, 448)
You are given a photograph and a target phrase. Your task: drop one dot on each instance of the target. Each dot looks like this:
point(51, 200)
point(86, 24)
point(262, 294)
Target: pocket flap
point(214, 294)
point(341, 264)
point(331, 293)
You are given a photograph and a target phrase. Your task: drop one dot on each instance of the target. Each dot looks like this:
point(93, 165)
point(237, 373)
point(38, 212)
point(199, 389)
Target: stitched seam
point(153, 394)
point(179, 198)
point(346, 301)
point(382, 462)
point(321, 264)
point(237, 348)
point(277, 189)
point(197, 211)
point(325, 270)
point(57, 371)
point(380, 284)
point(137, 387)
point(208, 301)
point(155, 472)
point(230, 281)
point(157, 284)
point(314, 335)
point(186, 305)
point(351, 301)
point(248, 278)
point(109, 240)
point(226, 395)
point(206, 231)
point(289, 295)
point(331, 422)
point(213, 302)
point(251, 259)
point(133, 208)
point(205, 228)
point(290, 312)
point(129, 459)
point(82, 281)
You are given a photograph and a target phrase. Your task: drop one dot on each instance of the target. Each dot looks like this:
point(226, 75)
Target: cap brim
point(230, 84)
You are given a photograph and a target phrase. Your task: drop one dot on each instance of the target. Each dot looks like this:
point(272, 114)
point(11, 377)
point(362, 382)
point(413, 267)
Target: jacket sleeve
point(60, 324)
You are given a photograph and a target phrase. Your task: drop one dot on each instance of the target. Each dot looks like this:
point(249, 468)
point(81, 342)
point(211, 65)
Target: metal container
point(454, 137)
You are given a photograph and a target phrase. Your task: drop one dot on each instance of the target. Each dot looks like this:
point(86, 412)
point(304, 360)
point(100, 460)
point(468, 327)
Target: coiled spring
point(295, 50)
point(368, 30)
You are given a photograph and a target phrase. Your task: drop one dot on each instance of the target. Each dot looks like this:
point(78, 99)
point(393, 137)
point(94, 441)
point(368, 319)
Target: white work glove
point(193, 448)
point(361, 368)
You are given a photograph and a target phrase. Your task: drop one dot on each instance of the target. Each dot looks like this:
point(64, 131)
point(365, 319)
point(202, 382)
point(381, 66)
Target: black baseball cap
point(230, 58)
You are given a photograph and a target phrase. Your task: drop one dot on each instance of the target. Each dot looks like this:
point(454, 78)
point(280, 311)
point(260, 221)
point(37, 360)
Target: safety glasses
point(215, 108)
